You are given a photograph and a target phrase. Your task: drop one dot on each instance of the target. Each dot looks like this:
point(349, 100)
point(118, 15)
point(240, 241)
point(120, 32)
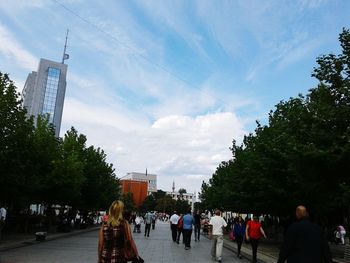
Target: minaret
point(173, 186)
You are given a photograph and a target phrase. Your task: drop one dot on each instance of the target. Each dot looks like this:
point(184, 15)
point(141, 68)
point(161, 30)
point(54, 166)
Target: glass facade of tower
point(53, 77)
point(44, 92)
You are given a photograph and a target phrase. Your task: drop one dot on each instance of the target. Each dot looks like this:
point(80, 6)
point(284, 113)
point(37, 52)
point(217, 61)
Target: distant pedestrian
point(154, 218)
point(239, 233)
point(254, 232)
point(173, 225)
point(3, 214)
point(342, 234)
point(148, 222)
point(197, 226)
point(188, 222)
point(77, 221)
point(304, 242)
point(105, 218)
point(180, 229)
point(113, 236)
point(138, 221)
point(217, 223)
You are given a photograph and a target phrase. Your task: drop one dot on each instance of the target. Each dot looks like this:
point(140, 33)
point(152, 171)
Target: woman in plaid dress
point(112, 235)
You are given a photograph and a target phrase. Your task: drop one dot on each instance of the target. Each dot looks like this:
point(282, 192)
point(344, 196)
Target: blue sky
point(167, 85)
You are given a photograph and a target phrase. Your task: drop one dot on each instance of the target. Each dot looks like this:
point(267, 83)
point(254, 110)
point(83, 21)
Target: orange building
point(137, 188)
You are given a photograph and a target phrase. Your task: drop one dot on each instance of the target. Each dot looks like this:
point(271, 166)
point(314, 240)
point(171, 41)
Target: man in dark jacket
point(304, 242)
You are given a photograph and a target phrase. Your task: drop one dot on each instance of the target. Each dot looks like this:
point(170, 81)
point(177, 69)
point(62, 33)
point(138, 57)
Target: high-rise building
point(44, 91)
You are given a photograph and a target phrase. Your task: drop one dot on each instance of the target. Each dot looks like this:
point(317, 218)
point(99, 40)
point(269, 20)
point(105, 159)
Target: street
point(83, 248)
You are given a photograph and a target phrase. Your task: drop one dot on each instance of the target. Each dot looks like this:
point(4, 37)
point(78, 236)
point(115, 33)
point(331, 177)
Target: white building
point(151, 179)
point(189, 197)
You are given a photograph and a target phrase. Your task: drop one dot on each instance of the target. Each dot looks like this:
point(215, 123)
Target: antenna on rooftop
point(65, 55)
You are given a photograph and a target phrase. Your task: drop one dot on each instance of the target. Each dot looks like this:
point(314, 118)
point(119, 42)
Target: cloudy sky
point(167, 85)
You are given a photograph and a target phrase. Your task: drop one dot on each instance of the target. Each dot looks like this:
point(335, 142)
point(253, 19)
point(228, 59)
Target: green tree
point(150, 203)
point(101, 186)
point(182, 206)
point(128, 200)
point(182, 191)
point(63, 185)
point(166, 204)
point(16, 144)
point(44, 157)
point(301, 156)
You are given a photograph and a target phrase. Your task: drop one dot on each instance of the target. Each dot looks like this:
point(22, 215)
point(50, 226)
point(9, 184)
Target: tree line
point(163, 203)
point(301, 156)
point(38, 168)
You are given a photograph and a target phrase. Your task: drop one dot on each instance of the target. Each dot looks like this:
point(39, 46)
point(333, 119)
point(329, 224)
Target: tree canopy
point(36, 167)
point(302, 156)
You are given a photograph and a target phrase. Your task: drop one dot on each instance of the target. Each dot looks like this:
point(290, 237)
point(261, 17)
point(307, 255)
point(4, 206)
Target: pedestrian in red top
point(253, 233)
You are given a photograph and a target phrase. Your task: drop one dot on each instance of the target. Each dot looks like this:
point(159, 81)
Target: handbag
point(232, 236)
point(138, 260)
point(129, 252)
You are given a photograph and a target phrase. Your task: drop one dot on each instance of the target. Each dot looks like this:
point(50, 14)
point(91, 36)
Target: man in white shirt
point(217, 223)
point(174, 219)
point(138, 221)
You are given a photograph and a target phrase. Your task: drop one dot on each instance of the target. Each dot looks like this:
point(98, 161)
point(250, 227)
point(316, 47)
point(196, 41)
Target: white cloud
point(141, 115)
point(12, 50)
point(298, 52)
point(173, 146)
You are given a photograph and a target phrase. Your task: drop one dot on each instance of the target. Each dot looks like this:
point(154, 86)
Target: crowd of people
point(304, 241)
point(214, 227)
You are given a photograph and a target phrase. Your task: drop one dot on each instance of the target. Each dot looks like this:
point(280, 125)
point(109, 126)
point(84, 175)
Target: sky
point(168, 85)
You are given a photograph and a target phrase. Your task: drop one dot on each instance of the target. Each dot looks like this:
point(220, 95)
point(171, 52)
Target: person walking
point(77, 221)
point(154, 218)
point(217, 223)
point(197, 226)
point(188, 222)
point(148, 222)
point(239, 232)
point(180, 229)
point(138, 221)
point(304, 242)
point(3, 214)
point(173, 225)
point(342, 233)
point(254, 232)
point(112, 237)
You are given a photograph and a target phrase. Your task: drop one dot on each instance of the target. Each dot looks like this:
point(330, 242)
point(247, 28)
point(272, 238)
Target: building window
point(53, 77)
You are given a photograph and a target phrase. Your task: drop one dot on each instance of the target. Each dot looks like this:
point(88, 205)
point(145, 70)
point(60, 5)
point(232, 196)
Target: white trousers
point(216, 246)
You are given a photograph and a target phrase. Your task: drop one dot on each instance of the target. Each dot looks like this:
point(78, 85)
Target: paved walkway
point(159, 247)
point(268, 253)
point(81, 246)
point(13, 241)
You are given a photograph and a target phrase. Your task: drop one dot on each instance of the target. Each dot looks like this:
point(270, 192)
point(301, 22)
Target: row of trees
point(302, 156)
point(164, 203)
point(38, 168)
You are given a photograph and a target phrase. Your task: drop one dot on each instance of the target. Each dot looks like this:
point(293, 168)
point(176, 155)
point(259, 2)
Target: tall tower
point(44, 90)
point(173, 186)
